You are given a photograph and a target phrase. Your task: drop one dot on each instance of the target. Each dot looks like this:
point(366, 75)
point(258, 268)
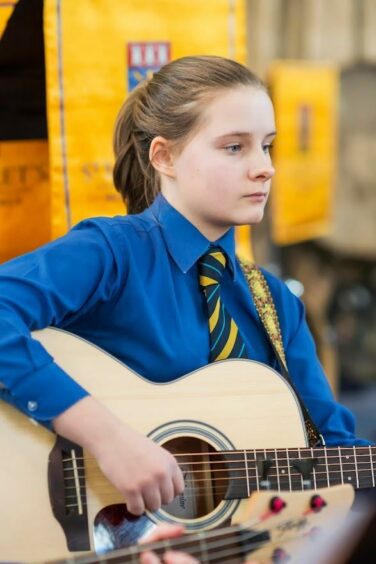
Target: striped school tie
point(225, 339)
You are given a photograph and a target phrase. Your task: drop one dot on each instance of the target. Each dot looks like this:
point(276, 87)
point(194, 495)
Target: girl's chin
point(252, 218)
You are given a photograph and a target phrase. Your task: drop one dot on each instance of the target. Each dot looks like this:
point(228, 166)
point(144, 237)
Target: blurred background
point(66, 67)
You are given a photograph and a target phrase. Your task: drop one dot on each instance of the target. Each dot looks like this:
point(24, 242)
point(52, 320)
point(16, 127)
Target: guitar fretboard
point(331, 466)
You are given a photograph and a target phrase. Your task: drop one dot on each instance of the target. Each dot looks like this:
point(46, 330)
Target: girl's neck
point(210, 231)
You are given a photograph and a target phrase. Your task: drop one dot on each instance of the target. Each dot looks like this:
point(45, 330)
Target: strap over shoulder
point(265, 307)
point(267, 312)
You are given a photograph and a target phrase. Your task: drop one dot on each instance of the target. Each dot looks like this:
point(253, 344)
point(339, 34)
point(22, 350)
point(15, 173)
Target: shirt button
point(32, 405)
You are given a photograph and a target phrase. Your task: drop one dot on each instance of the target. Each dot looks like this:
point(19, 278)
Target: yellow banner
point(95, 52)
point(24, 197)
point(305, 97)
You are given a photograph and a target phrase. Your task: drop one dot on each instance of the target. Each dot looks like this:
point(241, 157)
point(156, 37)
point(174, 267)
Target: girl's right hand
point(146, 474)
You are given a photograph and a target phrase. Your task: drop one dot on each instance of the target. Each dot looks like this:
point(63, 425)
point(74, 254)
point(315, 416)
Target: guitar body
point(233, 404)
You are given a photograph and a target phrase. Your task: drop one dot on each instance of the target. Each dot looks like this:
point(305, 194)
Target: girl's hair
point(169, 104)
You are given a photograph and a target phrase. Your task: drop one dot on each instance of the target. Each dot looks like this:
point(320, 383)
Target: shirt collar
point(191, 244)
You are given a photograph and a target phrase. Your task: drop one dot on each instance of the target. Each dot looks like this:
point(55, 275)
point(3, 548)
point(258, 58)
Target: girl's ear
point(161, 156)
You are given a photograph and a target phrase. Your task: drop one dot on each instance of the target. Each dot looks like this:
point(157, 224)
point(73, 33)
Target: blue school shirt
point(129, 284)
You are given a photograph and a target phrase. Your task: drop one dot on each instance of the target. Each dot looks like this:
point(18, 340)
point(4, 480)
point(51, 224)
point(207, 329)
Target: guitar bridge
point(67, 490)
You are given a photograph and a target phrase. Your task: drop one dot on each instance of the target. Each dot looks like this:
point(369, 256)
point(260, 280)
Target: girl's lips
point(257, 196)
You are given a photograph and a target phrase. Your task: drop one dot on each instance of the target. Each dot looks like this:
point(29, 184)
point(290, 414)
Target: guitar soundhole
point(206, 483)
point(205, 477)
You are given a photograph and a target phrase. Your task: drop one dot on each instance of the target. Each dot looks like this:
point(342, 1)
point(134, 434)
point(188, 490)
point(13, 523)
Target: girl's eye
point(267, 148)
point(234, 148)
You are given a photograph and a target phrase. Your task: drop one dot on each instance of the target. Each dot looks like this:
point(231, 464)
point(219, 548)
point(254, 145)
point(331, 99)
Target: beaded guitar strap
point(266, 310)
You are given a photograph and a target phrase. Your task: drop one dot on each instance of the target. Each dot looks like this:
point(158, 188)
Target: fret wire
point(314, 471)
point(301, 475)
point(335, 468)
point(288, 468)
point(356, 467)
point(270, 453)
point(252, 472)
point(265, 458)
point(246, 470)
point(372, 470)
point(348, 461)
point(256, 471)
point(283, 471)
point(277, 466)
point(327, 468)
point(294, 475)
point(341, 467)
point(273, 456)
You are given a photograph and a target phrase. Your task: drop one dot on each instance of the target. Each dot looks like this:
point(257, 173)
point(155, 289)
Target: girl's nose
point(262, 172)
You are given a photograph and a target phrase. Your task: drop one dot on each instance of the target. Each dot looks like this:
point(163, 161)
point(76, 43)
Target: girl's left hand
point(163, 532)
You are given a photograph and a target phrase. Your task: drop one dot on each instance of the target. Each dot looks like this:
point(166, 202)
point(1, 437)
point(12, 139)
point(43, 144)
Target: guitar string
point(223, 485)
point(283, 471)
point(320, 476)
point(268, 451)
point(189, 496)
point(95, 471)
point(321, 479)
point(295, 476)
point(229, 468)
point(199, 491)
point(334, 468)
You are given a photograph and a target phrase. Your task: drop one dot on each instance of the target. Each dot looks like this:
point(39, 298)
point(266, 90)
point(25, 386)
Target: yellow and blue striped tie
point(225, 339)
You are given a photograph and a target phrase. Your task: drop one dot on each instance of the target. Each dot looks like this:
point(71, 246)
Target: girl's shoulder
point(119, 229)
point(126, 223)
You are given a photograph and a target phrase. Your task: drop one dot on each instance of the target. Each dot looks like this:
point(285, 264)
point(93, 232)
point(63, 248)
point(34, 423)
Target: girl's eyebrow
point(243, 134)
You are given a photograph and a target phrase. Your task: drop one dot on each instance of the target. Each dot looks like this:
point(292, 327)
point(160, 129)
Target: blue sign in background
point(138, 74)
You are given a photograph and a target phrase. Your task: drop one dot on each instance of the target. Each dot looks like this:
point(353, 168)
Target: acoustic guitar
point(234, 426)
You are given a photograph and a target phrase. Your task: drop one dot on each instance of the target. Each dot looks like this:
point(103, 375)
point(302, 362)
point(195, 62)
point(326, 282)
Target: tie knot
point(211, 267)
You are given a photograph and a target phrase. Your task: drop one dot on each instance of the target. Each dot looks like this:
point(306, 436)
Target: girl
point(193, 160)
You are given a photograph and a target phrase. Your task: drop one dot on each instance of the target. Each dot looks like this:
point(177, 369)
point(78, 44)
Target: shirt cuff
point(45, 394)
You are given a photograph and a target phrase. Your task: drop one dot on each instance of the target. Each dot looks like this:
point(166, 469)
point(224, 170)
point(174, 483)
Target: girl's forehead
point(239, 109)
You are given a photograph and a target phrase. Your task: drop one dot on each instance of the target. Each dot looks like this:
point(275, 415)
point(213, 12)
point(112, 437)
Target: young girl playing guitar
point(192, 148)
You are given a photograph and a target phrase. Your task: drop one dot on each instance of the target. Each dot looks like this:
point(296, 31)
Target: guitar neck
point(331, 466)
